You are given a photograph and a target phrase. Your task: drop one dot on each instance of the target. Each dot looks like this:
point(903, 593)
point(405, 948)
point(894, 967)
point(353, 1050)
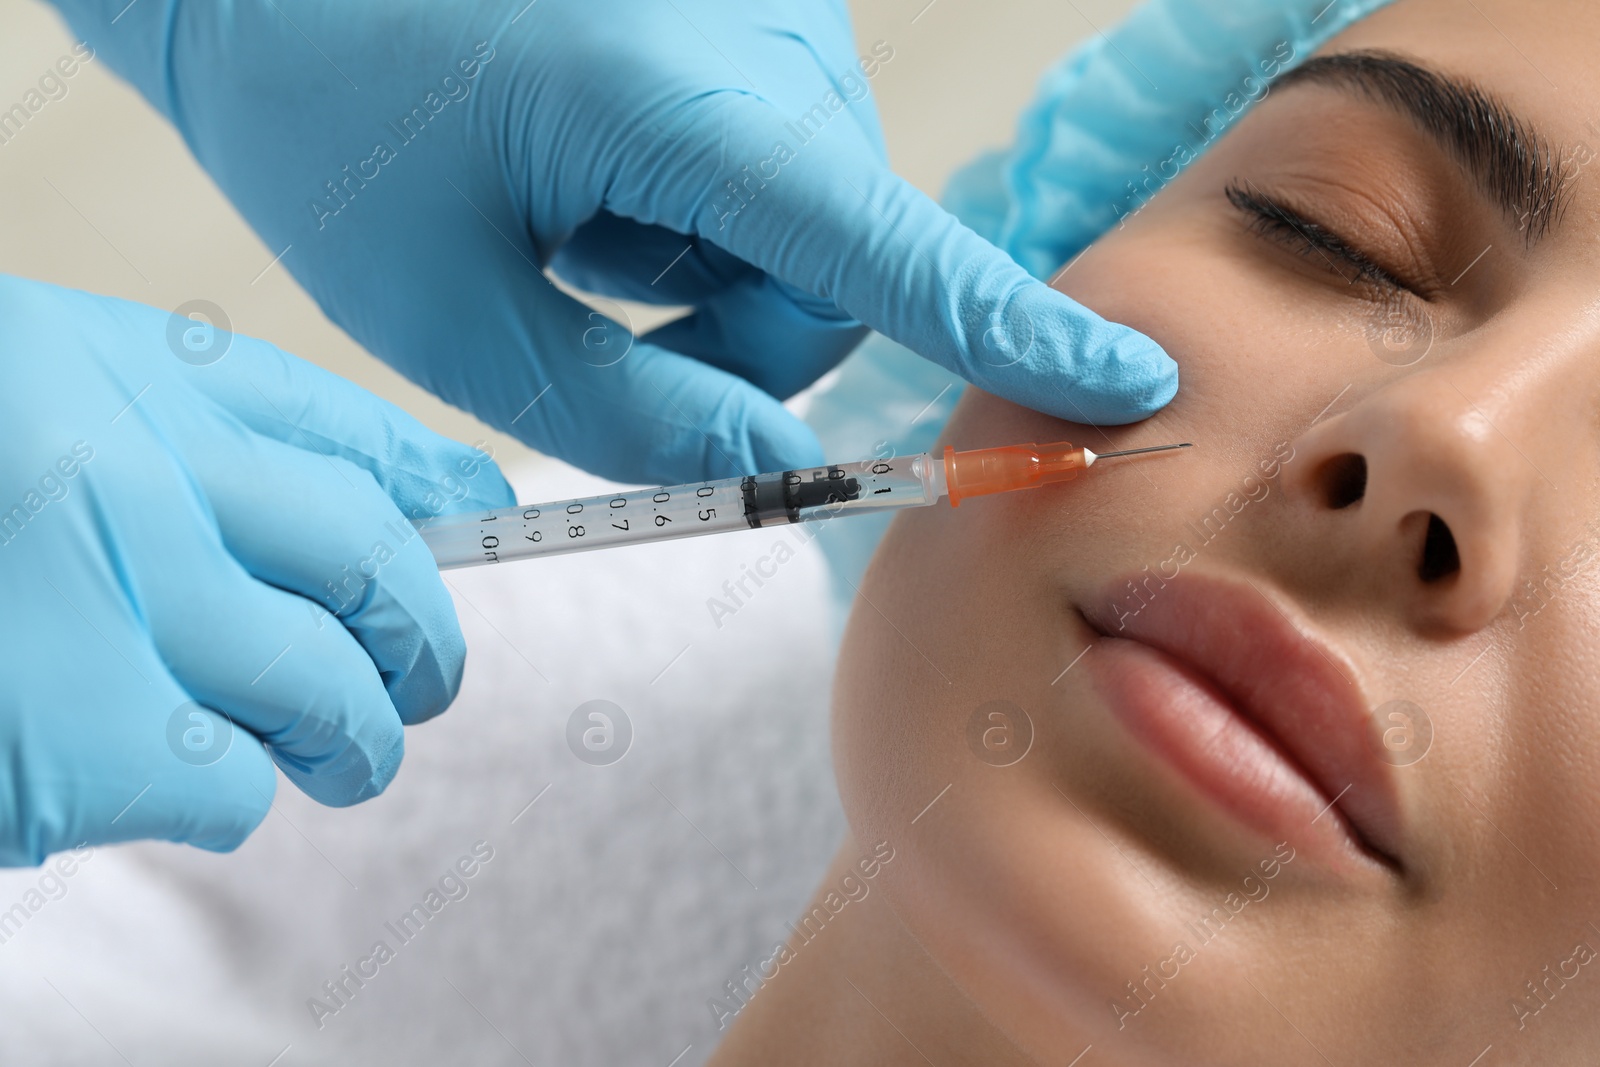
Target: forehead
point(1537, 56)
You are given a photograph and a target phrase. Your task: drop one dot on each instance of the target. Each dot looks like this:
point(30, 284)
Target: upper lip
point(1295, 688)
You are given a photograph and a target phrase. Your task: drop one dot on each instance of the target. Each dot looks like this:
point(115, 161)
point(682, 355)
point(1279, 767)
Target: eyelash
point(1278, 222)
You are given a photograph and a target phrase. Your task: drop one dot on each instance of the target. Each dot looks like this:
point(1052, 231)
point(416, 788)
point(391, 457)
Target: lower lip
point(1188, 722)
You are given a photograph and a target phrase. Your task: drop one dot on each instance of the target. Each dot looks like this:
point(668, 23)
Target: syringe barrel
point(670, 512)
point(863, 487)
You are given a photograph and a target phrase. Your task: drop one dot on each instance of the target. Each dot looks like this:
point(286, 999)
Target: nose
point(1426, 483)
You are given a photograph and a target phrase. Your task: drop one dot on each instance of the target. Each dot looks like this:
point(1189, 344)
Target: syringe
point(640, 515)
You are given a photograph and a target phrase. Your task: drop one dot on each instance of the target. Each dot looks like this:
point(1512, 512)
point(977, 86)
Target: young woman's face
point(1302, 725)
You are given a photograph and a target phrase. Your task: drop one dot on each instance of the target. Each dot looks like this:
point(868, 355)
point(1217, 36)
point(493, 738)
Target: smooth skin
point(1019, 906)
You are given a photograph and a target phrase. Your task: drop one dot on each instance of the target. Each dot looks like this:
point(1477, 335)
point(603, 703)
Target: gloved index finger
point(827, 217)
point(300, 404)
point(323, 529)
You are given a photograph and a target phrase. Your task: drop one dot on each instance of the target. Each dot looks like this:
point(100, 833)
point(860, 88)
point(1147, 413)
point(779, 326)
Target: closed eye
point(1279, 222)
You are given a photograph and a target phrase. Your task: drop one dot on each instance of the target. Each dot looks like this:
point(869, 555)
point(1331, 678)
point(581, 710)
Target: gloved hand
point(201, 555)
point(419, 162)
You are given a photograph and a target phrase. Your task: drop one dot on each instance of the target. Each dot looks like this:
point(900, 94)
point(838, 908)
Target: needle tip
point(1141, 451)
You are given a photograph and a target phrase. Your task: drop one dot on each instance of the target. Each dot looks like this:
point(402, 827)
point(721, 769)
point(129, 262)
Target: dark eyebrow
point(1512, 163)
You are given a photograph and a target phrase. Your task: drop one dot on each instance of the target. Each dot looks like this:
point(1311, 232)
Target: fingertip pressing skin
point(1048, 352)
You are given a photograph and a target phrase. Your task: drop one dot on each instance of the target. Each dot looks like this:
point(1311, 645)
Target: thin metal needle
point(1137, 451)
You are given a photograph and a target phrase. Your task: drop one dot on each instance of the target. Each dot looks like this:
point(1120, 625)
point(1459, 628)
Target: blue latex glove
point(421, 161)
point(187, 547)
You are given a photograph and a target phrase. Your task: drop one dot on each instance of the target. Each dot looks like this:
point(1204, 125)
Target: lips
point(1260, 715)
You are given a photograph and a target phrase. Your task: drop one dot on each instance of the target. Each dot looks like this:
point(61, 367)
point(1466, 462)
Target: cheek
point(1250, 335)
point(1214, 332)
point(946, 673)
point(938, 627)
point(896, 665)
point(947, 636)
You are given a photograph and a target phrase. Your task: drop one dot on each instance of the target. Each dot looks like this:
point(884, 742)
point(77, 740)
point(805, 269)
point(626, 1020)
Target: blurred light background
point(99, 193)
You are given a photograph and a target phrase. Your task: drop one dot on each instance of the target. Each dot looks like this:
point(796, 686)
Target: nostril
point(1439, 556)
point(1343, 480)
